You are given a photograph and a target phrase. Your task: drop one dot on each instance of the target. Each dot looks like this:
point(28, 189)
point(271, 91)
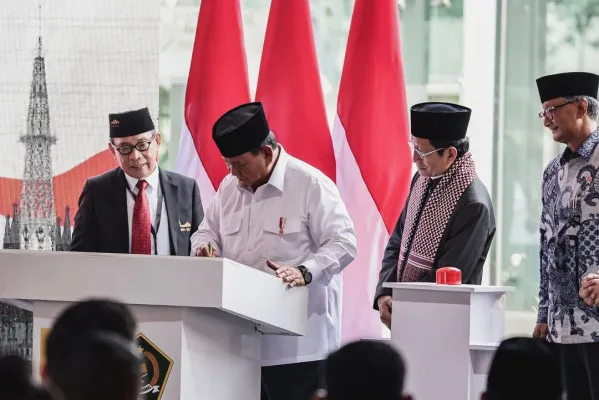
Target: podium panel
point(448, 335)
point(200, 321)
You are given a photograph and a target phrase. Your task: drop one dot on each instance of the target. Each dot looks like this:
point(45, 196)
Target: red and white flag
point(289, 86)
point(217, 82)
point(370, 138)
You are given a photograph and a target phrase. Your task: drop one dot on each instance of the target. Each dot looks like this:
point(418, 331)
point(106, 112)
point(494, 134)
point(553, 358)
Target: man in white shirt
point(137, 208)
point(278, 214)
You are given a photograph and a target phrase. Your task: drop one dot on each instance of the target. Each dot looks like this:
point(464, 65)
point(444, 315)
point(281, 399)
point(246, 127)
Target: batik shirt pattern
point(570, 243)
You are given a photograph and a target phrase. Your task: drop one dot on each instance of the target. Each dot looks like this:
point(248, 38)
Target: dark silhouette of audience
point(91, 315)
point(524, 368)
point(364, 370)
point(91, 355)
point(98, 366)
point(16, 382)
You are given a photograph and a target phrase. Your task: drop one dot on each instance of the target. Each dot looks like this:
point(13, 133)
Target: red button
point(449, 276)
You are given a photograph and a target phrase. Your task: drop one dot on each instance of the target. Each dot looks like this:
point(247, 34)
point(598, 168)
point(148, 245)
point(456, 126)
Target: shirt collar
point(277, 177)
point(152, 180)
point(585, 150)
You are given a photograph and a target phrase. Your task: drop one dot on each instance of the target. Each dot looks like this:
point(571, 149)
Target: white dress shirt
point(162, 236)
point(296, 218)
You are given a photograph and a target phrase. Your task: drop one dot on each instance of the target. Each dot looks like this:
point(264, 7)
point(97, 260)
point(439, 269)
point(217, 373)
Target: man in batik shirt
point(570, 229)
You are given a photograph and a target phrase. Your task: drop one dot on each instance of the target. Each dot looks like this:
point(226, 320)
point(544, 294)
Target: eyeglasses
point(548, 113)
point(126, 149)
point(422, 154)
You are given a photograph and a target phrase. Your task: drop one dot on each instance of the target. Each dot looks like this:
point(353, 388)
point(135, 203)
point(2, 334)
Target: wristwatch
point(305, 274)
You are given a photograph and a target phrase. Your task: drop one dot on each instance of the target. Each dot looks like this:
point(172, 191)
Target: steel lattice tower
point(37, 216)
point(66, 230)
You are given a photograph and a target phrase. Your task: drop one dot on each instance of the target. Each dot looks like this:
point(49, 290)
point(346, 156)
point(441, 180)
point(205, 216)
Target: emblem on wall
point(155, 368)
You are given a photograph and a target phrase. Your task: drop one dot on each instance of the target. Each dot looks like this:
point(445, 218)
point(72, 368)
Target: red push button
point(449, 276)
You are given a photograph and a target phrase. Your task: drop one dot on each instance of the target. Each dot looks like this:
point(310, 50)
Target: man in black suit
point(137, 208)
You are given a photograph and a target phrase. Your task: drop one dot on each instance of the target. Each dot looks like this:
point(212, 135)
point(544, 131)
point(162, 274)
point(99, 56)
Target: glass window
point(432, 48)
point(445, 21)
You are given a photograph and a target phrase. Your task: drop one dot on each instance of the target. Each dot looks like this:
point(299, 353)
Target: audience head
point(362, 370)
point(524, 368)
point(81, 318)
point(98, 366)
point(16, 382)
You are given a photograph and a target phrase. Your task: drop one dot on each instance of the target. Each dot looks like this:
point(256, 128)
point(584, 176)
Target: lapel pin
point(282, 222)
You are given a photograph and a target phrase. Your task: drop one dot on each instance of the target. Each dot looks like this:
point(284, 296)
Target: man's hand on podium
point(384, 303)
point(541, 330)
point(206, 250)
point(290, 275)
point(589, 290)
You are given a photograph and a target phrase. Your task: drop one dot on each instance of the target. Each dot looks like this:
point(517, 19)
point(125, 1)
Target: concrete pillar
point(414, 44)
point(478, 87)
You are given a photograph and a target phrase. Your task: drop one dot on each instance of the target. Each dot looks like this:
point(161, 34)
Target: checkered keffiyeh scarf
point(423, 243)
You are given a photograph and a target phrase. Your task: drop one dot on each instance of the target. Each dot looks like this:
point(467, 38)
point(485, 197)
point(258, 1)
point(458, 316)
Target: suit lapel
point(121, 220)
point(171, 198)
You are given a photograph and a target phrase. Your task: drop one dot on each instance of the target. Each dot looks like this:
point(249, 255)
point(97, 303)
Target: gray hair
point(269, 140)
point(592, 108)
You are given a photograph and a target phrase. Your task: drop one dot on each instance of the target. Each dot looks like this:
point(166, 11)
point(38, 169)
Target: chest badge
point(282, 222)
point(186, 227)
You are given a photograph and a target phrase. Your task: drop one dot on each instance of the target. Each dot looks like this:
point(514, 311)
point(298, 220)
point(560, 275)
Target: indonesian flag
point(370, 138)
point(217, 82)
point(289, 86)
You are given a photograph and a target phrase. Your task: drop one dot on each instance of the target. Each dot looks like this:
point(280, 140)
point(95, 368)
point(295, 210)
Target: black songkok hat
point(568, 84)
point(130, 123)
point(240, 130)
point(439, 121)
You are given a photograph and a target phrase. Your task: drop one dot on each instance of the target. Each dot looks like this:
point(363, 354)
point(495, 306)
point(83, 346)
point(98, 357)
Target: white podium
point(448, 335)
point(200, 319)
